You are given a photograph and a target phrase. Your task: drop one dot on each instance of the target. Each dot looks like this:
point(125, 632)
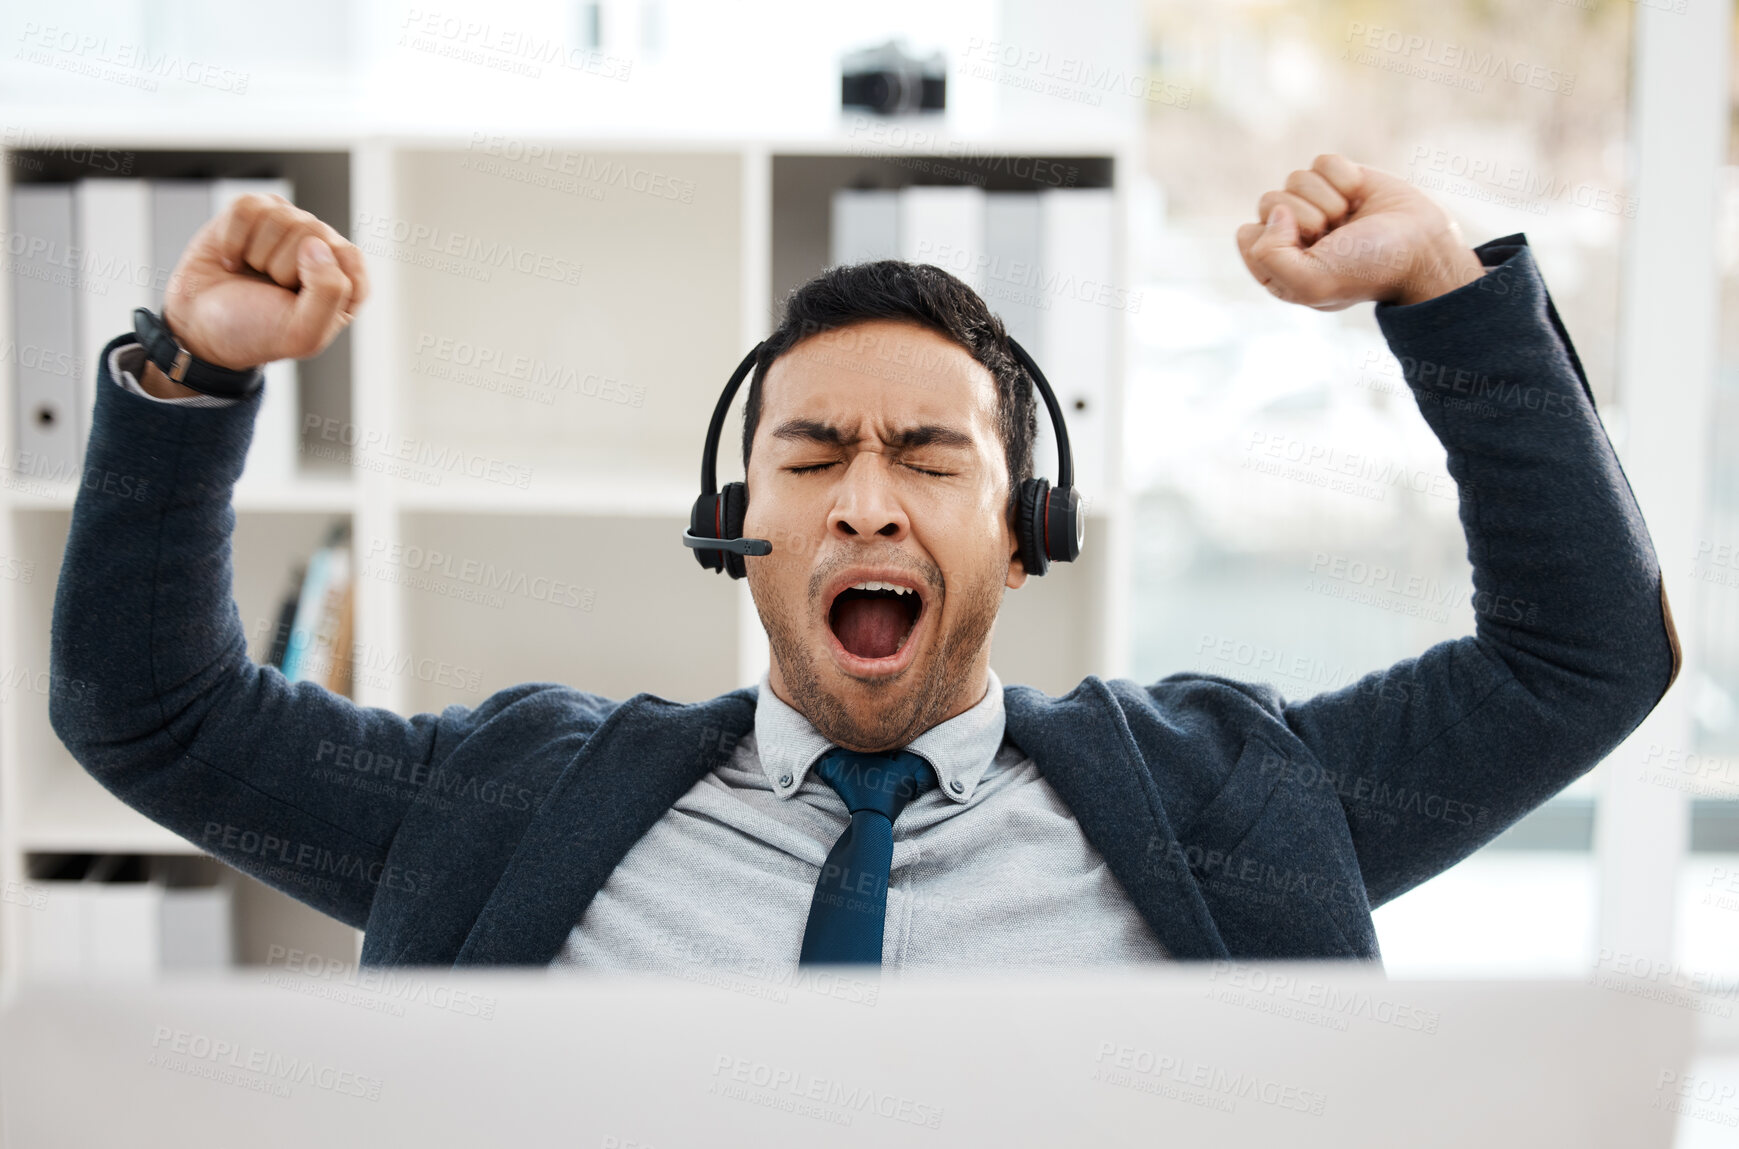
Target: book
point(313, 651)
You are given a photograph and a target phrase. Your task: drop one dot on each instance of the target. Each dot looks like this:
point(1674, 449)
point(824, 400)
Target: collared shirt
point(989, 867)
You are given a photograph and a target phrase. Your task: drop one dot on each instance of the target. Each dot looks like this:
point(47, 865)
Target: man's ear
point(1017, 575)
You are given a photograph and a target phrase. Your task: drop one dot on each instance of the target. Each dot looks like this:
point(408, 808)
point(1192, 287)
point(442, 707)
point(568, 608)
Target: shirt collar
point(959, 750)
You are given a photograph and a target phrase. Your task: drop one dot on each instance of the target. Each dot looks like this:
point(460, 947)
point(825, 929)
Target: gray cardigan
point(1240, 824)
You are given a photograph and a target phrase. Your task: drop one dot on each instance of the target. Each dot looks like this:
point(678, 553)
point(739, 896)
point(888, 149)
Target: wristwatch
point(178, 363)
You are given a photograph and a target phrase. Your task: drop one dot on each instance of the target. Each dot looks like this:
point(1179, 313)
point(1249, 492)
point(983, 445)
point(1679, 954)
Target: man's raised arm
point(173, 716)
point(1573, 644)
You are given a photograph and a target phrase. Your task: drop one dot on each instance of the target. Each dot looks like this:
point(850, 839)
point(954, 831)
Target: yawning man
point(881, 797)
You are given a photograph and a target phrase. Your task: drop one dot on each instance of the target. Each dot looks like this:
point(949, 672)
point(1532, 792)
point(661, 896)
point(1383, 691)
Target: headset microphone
point(1049, 521)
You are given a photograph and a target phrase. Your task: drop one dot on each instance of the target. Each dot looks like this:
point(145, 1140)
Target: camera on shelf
point(889, 80)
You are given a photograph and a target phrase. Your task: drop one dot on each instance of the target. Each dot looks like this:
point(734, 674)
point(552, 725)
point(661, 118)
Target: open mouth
point(873, 619)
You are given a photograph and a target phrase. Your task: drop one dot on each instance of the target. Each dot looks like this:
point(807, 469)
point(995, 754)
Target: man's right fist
point(263, 280)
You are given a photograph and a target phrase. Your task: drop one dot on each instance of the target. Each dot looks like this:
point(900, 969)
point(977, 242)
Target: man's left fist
point(1342, 233)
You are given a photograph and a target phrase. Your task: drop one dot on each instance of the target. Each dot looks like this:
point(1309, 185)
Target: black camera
point(887, 80)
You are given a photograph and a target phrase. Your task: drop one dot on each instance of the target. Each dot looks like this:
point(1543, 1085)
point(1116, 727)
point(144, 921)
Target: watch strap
point(180, 365)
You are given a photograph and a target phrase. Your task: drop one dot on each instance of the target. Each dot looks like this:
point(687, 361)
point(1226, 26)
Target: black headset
point(1049, 522)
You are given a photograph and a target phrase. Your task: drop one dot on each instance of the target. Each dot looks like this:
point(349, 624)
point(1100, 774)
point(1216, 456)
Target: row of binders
point(84, 255)
point(100, 916)
point(1044, 261)
point(315, 632)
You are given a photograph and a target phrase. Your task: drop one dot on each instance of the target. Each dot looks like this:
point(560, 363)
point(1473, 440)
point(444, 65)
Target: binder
point(865, 226)
point(179, 208)
point(1013, 249)
point(113, 225)
point(944, 226)
point(44, 349)
point(1077, 262)
point(94, 924)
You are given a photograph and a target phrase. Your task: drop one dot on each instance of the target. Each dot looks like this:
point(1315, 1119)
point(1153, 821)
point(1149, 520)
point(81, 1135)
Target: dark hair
point(917, 293)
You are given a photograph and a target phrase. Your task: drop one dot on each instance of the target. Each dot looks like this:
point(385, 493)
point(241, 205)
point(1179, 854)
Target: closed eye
point(813, 467)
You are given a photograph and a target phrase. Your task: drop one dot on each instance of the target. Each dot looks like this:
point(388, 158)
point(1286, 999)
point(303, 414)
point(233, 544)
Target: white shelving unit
point(669, 294)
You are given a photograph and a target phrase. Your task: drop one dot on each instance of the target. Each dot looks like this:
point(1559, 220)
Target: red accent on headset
point(1047, 522)
point(718, 519)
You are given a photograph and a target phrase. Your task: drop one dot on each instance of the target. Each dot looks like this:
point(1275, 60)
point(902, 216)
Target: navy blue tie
point(851, 897)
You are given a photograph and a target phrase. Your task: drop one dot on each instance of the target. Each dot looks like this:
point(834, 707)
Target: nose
point(866, 504)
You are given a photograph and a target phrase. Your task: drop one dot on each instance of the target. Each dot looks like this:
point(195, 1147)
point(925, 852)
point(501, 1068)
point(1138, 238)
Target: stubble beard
point(909, 705)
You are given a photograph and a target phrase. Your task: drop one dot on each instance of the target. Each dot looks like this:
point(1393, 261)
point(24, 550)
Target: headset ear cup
point(703, 523)
point(1030, 525)
point(734, 501)
point(1064, 525)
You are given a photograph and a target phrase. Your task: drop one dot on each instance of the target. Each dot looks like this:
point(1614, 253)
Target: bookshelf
point(533, 375)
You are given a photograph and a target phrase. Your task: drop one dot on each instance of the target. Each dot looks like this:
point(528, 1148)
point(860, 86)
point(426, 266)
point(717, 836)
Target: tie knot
point(880, 782)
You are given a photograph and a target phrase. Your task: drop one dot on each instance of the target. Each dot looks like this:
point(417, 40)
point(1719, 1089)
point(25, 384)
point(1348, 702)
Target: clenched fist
point(263, 280)
point(1342, 233)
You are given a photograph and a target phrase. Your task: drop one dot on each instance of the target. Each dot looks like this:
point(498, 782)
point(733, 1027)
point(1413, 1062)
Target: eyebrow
point(906, 438)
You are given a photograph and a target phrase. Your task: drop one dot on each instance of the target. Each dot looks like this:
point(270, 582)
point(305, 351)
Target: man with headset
point(883, 516)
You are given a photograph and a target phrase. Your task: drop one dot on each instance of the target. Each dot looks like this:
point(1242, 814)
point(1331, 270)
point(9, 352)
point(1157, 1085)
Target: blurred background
point(581, 214)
